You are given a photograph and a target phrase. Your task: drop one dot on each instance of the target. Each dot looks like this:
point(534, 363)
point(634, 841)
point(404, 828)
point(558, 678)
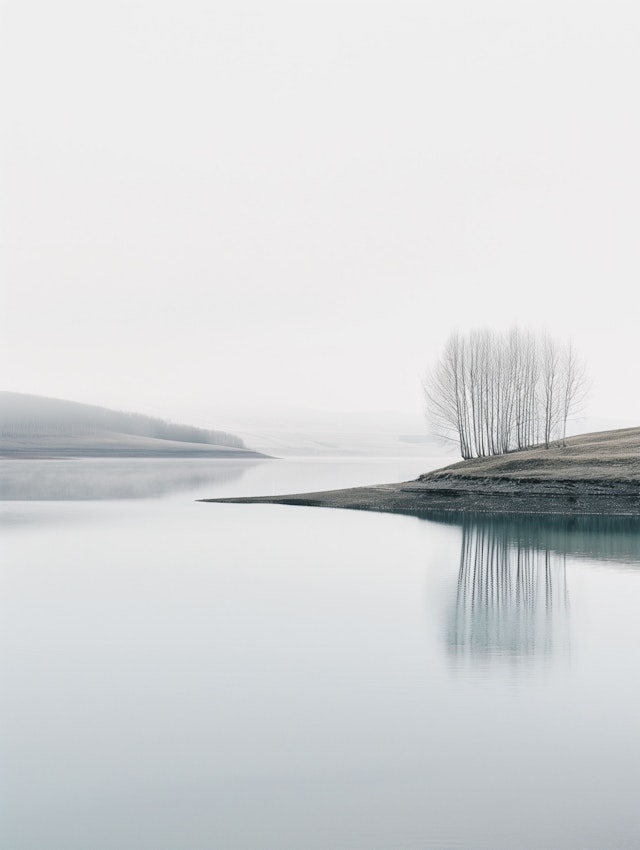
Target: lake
point(187, 676)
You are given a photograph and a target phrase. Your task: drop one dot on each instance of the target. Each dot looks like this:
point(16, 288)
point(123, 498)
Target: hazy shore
point(110, 445)
point(592, 474)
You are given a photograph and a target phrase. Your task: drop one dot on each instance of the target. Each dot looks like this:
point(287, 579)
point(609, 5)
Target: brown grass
point(603, 455)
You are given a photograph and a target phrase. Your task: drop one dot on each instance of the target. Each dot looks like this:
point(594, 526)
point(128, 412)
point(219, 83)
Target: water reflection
point(595, 538)
point(512, 601)
point(88, 479)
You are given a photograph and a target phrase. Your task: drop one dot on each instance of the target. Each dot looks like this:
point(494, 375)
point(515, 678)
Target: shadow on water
point(87, 479)
point(597, 538)
point(512, 600)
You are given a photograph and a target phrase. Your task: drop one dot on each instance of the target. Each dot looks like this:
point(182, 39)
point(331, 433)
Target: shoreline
point(127, 454)
point(455, 494)
point(591, 474)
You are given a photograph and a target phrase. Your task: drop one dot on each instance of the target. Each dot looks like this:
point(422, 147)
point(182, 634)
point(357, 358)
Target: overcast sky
point(225, 211)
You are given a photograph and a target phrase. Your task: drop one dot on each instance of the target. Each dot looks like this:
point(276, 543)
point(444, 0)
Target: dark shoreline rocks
point(480, 495)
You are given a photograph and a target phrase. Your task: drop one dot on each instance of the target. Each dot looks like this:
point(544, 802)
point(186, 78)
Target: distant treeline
point(28, 415)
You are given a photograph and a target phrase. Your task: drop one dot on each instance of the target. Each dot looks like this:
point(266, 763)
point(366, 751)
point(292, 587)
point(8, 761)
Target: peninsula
point(596, 473)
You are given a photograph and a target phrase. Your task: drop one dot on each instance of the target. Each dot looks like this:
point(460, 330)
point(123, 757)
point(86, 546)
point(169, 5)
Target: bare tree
point(446, 396)
point(550, 381)
point(573, 387)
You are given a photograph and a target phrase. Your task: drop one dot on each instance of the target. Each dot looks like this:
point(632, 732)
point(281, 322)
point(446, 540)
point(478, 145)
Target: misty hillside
point(35, 426)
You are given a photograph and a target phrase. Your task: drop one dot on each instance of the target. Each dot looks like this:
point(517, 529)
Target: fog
point(244, 215)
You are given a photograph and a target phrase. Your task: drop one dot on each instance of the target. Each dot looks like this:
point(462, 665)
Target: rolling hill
point(34, 426)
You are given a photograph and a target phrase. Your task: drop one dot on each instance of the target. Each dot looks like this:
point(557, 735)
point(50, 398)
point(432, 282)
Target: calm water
point(185, 676)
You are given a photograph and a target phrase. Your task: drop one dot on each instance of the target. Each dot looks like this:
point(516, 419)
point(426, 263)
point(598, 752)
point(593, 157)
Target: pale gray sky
point(221, 211)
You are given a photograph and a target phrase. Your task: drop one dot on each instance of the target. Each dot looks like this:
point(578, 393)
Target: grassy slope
point(604, 455)
point(41, 427)
point(39, 418)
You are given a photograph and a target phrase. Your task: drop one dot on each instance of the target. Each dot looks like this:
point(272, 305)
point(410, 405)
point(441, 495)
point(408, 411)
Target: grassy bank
point(603, 455)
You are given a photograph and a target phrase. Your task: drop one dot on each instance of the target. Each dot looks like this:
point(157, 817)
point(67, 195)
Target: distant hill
point(37, 426)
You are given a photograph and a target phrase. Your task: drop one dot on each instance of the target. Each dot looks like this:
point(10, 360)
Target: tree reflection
point(512, 601)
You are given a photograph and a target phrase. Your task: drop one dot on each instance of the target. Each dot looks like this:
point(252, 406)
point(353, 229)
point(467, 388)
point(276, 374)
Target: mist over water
point(264, 220)
point(87, 479)
point(180, 674)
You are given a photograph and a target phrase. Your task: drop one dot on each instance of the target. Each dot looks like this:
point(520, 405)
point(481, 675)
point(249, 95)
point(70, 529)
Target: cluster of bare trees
point(494, 392)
